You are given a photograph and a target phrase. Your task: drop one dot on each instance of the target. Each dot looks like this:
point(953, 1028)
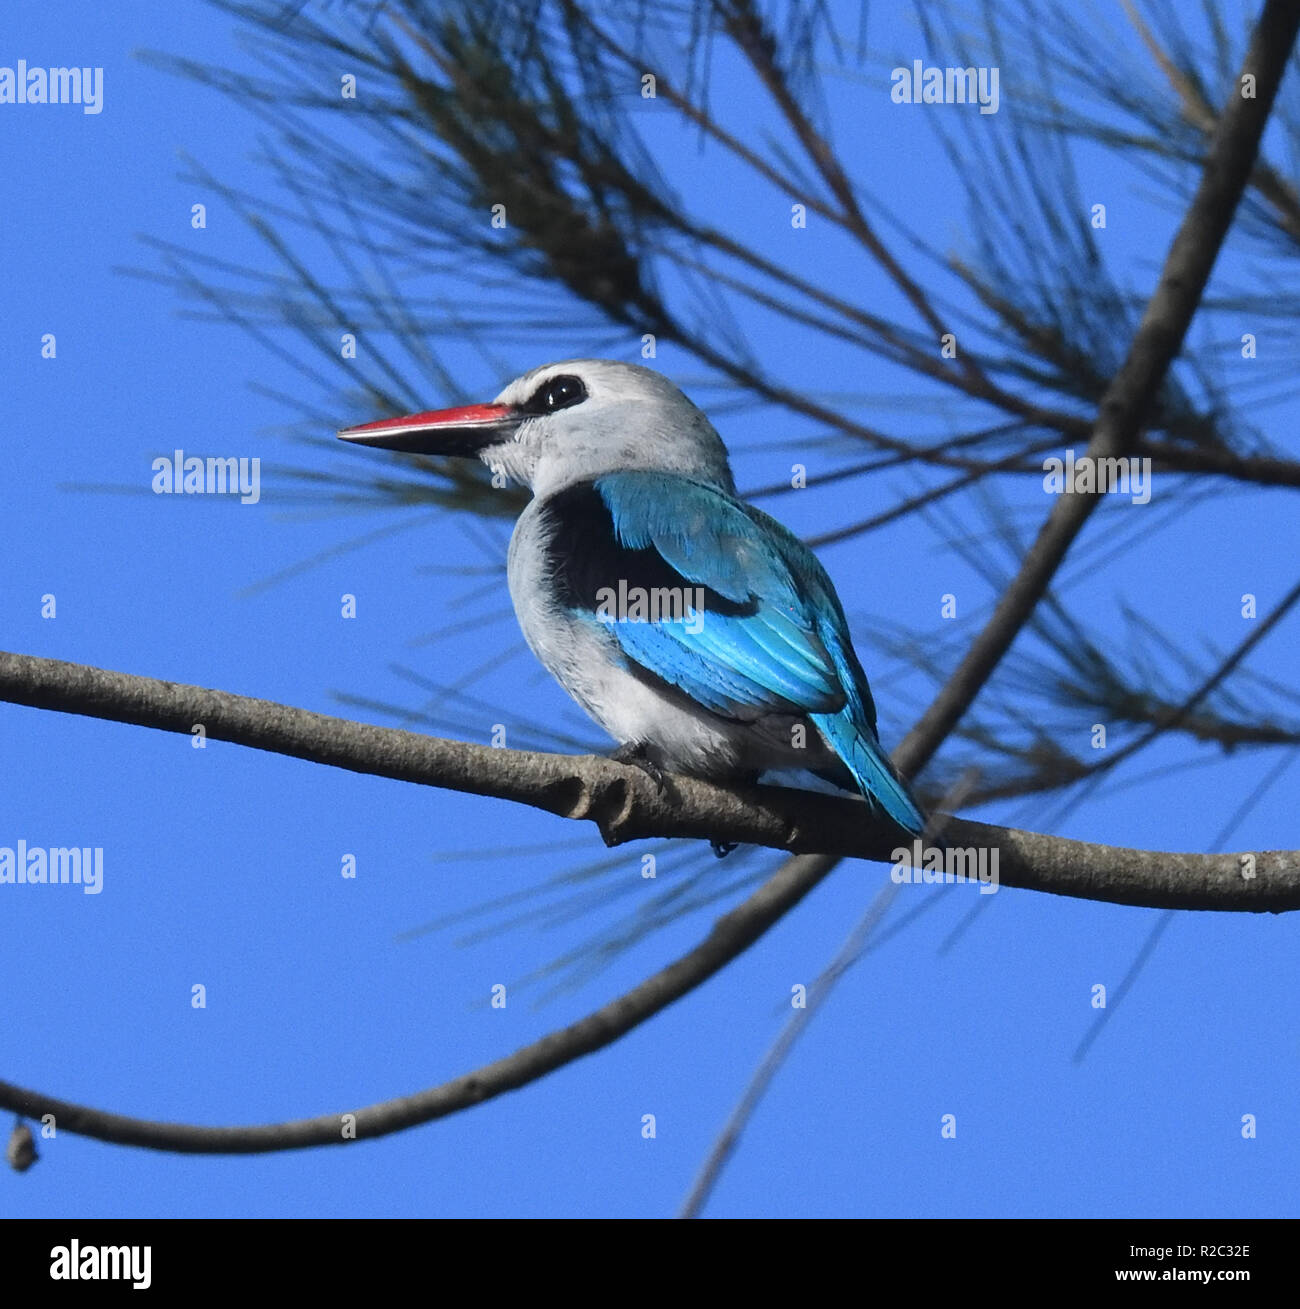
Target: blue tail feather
point(875, 776)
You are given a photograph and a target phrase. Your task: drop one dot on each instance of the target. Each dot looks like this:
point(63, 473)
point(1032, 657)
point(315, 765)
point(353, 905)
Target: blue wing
point(764, 633)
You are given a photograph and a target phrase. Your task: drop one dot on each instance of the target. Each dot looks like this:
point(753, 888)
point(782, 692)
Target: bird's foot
point(637, 754)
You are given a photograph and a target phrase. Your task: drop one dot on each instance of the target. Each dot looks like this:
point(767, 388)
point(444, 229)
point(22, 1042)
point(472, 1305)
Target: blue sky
point(222, 865)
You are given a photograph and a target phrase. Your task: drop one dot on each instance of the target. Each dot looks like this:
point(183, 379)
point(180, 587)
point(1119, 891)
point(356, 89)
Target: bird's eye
point(557, 393)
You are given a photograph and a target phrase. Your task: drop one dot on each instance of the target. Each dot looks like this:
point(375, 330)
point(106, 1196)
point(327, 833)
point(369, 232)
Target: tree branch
point(1133, 390)
point(627, 806)
point(731, 934)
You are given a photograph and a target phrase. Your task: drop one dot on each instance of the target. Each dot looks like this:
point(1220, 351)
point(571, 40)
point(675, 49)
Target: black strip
point(584, 555)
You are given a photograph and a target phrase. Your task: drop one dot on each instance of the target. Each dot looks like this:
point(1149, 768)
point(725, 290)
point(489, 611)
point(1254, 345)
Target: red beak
point(462, 431)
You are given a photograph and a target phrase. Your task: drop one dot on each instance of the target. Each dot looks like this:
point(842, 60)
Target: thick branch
point(626, 805)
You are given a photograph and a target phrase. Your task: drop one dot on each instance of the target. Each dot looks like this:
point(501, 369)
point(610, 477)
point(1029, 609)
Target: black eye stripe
point(559, 392)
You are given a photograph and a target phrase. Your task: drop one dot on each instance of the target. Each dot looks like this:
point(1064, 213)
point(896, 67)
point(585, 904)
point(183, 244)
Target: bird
point(700, 633)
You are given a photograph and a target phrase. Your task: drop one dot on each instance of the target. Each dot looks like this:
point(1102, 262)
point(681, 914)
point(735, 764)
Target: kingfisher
point(702, 635)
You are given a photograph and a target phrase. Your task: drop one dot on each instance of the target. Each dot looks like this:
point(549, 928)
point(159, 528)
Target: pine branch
point(626, 806)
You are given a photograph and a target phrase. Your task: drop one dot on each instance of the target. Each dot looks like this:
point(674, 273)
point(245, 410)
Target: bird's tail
point(881, 786)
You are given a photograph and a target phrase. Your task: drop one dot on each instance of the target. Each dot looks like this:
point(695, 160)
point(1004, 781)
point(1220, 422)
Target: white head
point(569, 422)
